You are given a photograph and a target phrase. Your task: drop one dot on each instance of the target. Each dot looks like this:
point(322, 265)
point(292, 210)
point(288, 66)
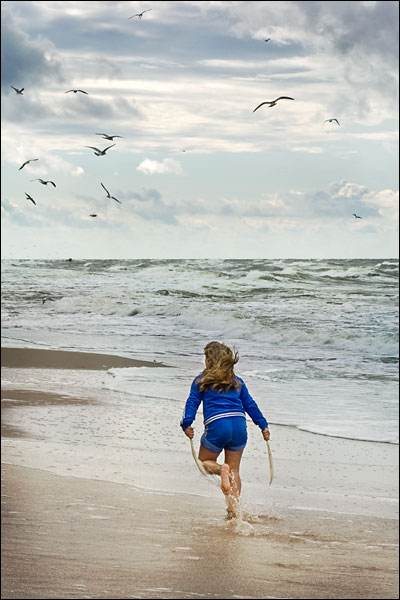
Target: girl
point(225, 403)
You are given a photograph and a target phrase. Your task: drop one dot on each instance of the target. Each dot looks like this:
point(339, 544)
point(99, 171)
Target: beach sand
point(37, 358)
point(76, 537)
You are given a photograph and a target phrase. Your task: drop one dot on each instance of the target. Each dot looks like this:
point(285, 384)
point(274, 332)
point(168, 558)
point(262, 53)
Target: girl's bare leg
point(232, 459)
point(209, 460)
point(231, 483)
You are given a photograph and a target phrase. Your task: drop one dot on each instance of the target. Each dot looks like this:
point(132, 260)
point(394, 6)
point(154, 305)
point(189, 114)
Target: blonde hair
point(219, 374)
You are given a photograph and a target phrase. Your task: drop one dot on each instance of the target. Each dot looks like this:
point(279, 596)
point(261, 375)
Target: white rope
point(196, 460)
point(271, 466)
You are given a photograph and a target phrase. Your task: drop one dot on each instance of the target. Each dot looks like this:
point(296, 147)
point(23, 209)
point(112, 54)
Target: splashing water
point(237, 512)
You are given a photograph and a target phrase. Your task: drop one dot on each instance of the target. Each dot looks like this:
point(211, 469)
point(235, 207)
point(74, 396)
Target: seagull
point(109, 137)
point(109, 195)
point(273, 102)
point(28, 197)
point(331, 121)
point(44, 182)
point(28, 161)
point(82, 91)
point(18, 91)
point(356, 216)
point(100, 152)
point(140, 15)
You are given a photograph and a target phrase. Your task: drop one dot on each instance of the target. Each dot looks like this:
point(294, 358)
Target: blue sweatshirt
point(217, 405)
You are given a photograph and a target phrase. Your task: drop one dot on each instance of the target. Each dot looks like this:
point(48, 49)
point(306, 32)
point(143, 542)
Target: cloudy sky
point(198, 174)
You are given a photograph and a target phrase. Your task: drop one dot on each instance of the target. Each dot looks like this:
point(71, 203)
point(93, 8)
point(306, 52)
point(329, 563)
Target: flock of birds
point(105, 136)
point(97, 151)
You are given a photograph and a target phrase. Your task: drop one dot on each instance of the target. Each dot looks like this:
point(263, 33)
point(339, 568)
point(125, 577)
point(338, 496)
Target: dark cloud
point(361, 29)
point(25, 62)
point(340, 200)
point(150, 205)
point(69, 108)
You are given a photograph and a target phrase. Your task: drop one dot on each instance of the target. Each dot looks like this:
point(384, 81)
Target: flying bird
point(28, 197)
point(17, 91)
point(331, 121)
point(273, 102)
point(28, 161)
point(140, 15)
point(100, 152)
point(92, 215)
point(44, 182)
point(109, 195)
point(267, 40)
point(109, 137)
point(75, 91)
point(356, 216)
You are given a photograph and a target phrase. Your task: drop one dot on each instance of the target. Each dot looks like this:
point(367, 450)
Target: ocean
point(317, 339)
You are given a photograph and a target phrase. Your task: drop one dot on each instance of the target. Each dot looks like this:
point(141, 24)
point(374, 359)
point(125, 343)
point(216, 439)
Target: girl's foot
point(232, 508)
point(225, 481)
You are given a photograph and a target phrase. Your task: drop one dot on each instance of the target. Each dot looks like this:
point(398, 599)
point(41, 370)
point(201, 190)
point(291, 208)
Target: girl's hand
point(189, 431)
point(266, 434)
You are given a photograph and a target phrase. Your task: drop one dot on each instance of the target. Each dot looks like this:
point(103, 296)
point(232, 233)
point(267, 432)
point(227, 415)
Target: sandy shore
point(36, 358)
point(77, 537)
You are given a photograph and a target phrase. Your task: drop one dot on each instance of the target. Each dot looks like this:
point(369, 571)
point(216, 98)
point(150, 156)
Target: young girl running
point(226, 401)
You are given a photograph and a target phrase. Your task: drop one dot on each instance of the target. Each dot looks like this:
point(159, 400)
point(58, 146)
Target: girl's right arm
point(250, 406)
point(191, 406)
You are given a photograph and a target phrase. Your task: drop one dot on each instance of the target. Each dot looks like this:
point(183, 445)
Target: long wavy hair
point(219, 374)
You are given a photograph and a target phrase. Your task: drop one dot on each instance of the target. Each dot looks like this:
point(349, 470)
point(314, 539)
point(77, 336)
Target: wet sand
point(37, 358)
point(74, 537)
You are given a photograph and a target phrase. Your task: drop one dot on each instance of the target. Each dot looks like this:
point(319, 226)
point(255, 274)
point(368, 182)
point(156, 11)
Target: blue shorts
point(229, 433)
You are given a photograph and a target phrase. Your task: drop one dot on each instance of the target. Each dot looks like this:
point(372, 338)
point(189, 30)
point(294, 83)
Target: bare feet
point(232, 508)
point(225, 480)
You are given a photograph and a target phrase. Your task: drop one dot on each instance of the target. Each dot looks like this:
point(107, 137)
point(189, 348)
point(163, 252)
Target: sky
point(197, 172)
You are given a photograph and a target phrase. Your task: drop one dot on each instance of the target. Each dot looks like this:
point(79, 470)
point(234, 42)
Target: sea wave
point(312, 328)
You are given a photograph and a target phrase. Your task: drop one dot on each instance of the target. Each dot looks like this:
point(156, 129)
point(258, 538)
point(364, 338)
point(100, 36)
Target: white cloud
point(16, 149)
point(387, 204)
point(308, 149)
point(154, 167)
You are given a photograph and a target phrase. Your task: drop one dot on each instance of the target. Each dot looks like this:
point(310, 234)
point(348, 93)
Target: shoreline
point(44, 358)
